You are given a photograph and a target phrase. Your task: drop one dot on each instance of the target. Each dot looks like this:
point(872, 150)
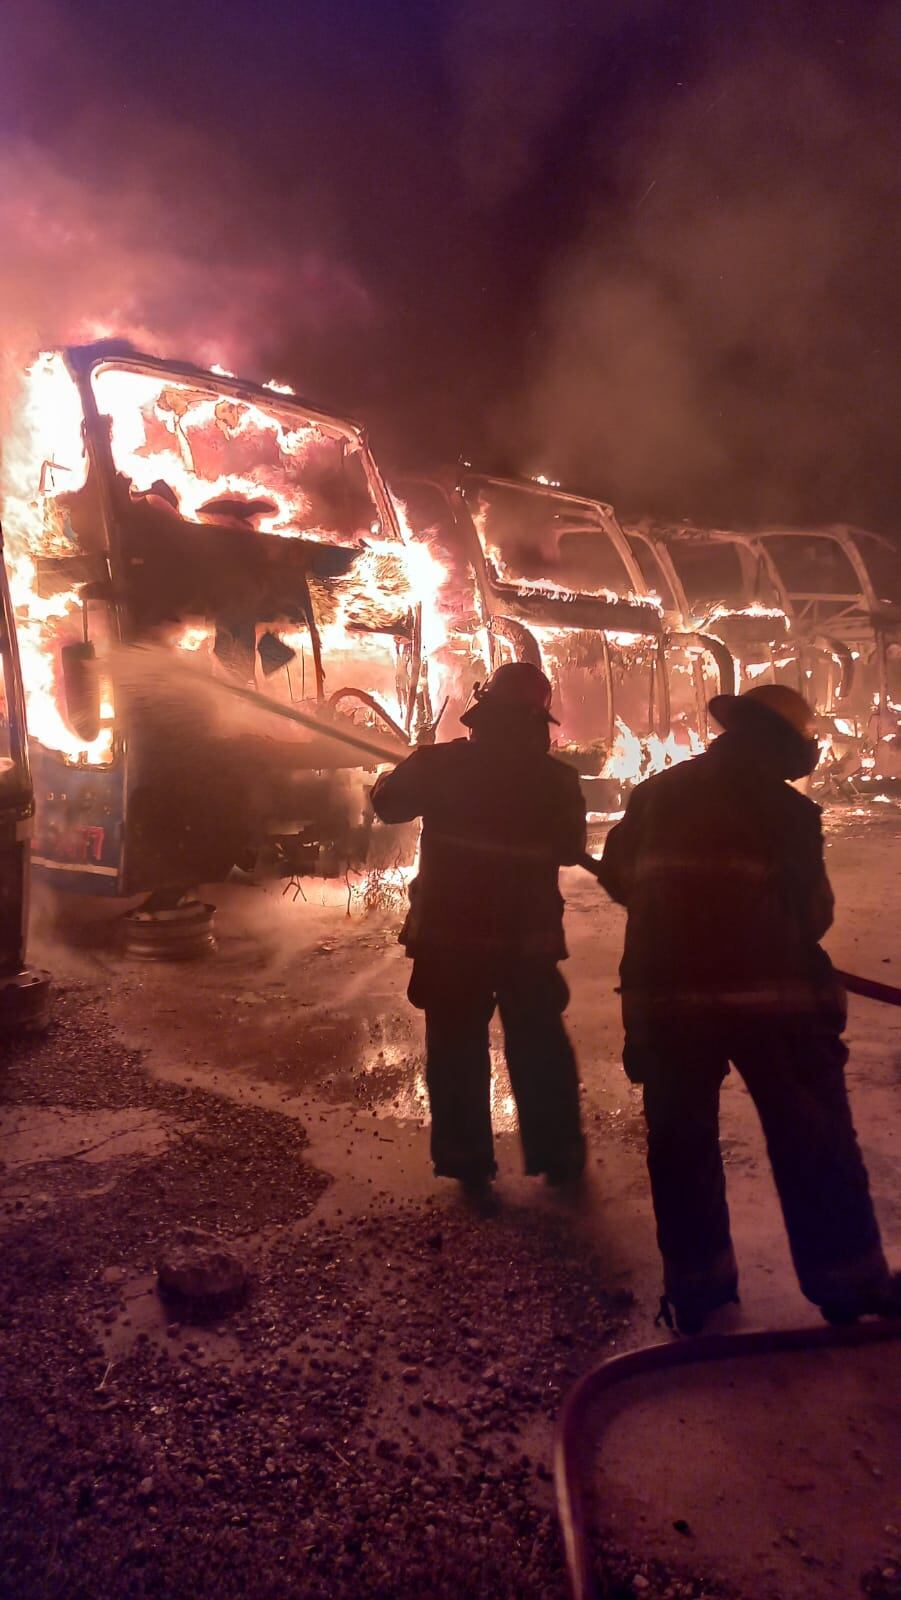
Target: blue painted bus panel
point(79, 818)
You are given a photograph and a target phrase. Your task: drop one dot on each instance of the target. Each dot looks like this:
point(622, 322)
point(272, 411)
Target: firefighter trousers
point(796, 1079)
point(459, 999)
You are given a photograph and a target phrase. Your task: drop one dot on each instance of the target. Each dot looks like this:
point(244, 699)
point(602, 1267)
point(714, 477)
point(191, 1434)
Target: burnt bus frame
point(505, 606)
point(865, 620)
point(661, 541)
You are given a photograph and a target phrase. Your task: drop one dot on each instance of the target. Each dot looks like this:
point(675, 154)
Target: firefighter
point(485, 926)
point(719, 863)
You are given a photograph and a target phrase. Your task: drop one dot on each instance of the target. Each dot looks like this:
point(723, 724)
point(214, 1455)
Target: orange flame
point(632, 759)
point(44, 457)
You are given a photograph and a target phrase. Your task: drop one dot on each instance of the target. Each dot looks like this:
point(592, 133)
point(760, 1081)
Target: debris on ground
point(199, 1273)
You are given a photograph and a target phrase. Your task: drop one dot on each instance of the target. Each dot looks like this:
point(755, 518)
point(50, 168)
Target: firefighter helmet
point(786, 703)
point(516, 685)
point(776, 708)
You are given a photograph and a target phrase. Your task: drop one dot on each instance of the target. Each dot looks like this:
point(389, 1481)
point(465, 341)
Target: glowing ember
point(195, 638)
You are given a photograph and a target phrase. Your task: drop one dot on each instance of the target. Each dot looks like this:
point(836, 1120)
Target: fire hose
point(144, 672)
point(653, 1358)
point(569, 1452)
point(869, 988)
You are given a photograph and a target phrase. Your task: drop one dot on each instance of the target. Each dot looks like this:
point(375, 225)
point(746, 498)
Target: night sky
point(647, 248)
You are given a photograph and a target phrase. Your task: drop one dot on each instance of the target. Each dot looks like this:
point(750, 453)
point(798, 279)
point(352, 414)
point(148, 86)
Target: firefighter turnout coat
point(720, 865)
point(499, 817)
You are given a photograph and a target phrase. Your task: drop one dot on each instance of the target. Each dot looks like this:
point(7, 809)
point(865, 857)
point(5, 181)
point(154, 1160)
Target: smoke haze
point(730, 339)
point(119, 217)
point(649, 249)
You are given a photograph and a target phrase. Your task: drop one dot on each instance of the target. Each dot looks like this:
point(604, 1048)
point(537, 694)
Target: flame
point(43, 457)
point(401, 629)
point(179, 412)
point(426, 577)
point(723, 612)
point(633, 759)
point(194, 638)
point(381, 889)
point(392, 628)
point(391, 580)
point(185, 435)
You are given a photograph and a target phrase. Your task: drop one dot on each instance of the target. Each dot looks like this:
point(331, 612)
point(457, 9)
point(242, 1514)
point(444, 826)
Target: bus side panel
point(80, 813)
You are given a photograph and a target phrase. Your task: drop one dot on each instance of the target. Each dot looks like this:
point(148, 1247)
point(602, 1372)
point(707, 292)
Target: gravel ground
point(376, 1421)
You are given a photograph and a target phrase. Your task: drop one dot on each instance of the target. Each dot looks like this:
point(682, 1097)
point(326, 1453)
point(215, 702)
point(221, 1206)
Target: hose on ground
point(569, 1448)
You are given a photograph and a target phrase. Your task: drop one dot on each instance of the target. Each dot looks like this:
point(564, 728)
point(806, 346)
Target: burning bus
point(151, 502)
point(817, 608)
point(553, 580)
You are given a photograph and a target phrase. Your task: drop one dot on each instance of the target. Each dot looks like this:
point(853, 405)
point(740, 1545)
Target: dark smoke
point(721, 340)
point(120, 216)
point(650, 248)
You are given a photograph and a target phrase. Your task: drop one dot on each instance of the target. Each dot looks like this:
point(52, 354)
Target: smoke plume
point(720, 341)
point(121, 219)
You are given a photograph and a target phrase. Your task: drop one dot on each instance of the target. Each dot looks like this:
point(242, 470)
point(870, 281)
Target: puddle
point(394, 1069)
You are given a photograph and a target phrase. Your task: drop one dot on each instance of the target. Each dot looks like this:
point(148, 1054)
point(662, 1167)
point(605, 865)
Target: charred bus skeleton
point(841, 589)
point(149, 501)
point(819, 609)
